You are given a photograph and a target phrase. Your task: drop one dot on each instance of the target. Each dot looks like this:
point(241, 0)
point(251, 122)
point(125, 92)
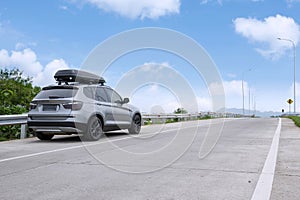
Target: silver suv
point(81, 104)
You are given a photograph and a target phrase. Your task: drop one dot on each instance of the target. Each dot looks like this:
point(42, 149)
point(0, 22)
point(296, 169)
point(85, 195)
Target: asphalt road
point(253, 159)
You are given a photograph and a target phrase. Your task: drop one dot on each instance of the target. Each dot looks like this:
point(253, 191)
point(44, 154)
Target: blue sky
point(43, 36)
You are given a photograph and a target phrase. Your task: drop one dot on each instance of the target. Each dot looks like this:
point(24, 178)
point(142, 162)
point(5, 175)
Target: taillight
point(76, 105)
point(32, 106)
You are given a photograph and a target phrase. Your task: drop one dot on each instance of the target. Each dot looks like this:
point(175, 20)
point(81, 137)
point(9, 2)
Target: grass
point(2, 139)
point(296, 120)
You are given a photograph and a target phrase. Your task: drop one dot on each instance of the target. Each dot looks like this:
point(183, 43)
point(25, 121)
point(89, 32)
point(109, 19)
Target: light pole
point(243, 90)
point(249, 101)
point(254, 105)
point(294, 46)
point(243, 95)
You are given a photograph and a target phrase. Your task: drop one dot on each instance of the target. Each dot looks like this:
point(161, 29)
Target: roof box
point(74, 75)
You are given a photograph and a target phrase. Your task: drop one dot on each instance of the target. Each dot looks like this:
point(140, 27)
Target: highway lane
point(161, 163)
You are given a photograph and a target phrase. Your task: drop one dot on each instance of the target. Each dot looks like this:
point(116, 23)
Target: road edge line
point(264, 185)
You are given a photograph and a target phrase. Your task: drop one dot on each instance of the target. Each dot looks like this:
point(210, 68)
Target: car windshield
point(57, 92)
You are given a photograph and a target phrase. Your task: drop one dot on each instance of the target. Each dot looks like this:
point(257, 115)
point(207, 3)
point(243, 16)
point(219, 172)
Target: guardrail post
point(23, 131)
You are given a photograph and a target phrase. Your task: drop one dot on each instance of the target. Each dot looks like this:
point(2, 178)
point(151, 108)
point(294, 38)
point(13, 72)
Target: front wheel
point(94, 130)
point(43, 136)
point(136, 124)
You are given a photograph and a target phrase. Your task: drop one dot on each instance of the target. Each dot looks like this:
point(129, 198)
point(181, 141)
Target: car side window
point(101, 94)
point(96, 93)
point(89, 92)
point(113, 96)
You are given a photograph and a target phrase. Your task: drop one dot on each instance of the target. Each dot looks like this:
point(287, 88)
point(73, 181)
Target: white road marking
point(265, 182)
point(94, 143)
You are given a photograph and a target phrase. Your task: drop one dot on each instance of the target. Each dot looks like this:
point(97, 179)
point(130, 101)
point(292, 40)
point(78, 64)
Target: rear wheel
point(43, 136)
point(136, 124)
point(94, 129)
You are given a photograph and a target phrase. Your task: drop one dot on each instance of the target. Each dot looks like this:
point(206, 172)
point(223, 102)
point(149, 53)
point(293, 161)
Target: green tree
point(16, 93)
point(180, 111)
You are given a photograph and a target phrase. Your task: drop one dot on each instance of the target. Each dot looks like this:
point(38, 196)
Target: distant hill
point(257, 113)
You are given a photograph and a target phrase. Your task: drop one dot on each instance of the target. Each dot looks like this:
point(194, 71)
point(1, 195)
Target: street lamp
point(249, 101)
point(243, 90)
point(294, 46)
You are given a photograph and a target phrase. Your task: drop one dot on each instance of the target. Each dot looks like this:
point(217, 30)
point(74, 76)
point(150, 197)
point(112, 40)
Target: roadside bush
point(205, 117)
point(16, 93)
point(10, 132)
point(147, 122)
point(169, 121)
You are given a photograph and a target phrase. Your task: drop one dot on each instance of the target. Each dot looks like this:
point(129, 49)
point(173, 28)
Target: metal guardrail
point(162, 118)
point(190, 116)
point(15, 120)
point(169, 116)
point(22, 119)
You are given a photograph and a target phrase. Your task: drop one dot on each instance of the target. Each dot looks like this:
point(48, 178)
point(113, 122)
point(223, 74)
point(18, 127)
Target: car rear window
point(57, 92)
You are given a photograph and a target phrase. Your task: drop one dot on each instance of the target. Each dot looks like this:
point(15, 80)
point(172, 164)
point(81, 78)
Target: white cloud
point(231, 88)
point(152, 84)
point(148, 66)
point(154, 98)
point(63, 7)
point(234, 88)
point(45, 77)
point(133, 9)
point(233, 92)
point(204, 104)
point(26, 61)
point(265, 32)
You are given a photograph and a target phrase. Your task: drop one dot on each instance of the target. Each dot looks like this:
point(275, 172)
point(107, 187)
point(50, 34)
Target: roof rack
point(79, 76)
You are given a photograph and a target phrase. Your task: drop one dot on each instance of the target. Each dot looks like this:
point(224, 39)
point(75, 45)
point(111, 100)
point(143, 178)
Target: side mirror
point(126, 100)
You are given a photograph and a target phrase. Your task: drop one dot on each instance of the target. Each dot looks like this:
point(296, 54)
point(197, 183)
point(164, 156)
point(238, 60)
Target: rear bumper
point(56, 127)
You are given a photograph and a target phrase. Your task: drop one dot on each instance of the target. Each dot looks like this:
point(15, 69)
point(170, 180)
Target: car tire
point(136, 124)
point(43, 136)
point(94, 130)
